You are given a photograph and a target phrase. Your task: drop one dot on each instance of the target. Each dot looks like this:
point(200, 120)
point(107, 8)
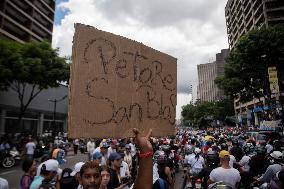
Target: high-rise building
point(243, 15)
point(207, 90)
point(26, 20)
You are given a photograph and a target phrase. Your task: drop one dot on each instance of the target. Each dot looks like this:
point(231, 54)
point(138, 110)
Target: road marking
point(7, 172)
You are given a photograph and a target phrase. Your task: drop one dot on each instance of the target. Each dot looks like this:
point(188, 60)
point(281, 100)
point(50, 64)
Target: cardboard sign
point(118, 84)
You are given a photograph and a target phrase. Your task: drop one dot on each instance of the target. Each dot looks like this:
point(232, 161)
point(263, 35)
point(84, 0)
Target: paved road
point(14, 174)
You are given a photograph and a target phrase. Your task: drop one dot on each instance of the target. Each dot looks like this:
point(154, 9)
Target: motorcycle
point(219, 185)
point(9, 158)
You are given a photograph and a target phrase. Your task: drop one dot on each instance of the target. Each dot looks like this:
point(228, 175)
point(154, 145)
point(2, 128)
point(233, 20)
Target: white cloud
point(191, 30)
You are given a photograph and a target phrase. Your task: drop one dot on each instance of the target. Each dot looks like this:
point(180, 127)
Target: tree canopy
point(246, 67)
point(202, 114)
point(35, 64)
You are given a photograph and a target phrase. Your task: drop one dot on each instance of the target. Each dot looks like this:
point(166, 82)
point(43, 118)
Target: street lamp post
point(55, 101)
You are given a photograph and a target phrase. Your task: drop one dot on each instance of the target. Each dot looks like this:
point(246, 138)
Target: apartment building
point(27, 20)
point(207, 90)
point(244, 15)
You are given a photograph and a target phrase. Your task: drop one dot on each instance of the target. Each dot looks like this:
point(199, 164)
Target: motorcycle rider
point(277, 164)
point(228, 175)
point(236, 150)
point(212, 162)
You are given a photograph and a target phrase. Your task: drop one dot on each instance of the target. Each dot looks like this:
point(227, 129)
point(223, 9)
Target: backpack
point(160, 184)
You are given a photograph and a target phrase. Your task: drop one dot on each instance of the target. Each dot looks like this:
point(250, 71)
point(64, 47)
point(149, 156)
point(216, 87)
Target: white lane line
point(7, 172)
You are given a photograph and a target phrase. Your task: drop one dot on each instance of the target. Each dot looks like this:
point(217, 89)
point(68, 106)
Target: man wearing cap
point(228, 175)
point(76, 173)
point(103, 150)
point(97, 158)
point(278, 163)
point(112, 148)
point(49, 169)
point(127, 156)
point(115, 163)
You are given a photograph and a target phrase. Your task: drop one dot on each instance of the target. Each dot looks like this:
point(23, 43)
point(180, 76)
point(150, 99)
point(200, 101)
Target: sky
point(193, 31)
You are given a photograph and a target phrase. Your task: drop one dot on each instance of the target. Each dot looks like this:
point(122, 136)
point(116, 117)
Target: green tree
point(246, 67)
point(34, 65)
point(201, 114)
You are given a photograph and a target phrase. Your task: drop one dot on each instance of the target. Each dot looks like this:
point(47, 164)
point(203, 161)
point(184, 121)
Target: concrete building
point(26, 20)
point(244, 15)
point(39, 115)
point(241, 17)
point(207, 90)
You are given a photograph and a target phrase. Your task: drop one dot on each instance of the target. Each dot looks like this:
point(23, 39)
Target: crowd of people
point(233, 158)
point(208, 158)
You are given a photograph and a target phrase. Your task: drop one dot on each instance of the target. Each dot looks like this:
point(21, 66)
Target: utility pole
point(55, 101)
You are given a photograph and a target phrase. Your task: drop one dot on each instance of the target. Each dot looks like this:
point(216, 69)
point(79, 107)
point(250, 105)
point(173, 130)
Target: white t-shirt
point(104, 158)
point(124, 169)
point(187, 158)
point(4, 184)
point(232, 160)
point(30, 146)
point(228, 176)
point(90, 147)
point(133, 149)
point(109, 151)
point(245, 163)
point(196, 164)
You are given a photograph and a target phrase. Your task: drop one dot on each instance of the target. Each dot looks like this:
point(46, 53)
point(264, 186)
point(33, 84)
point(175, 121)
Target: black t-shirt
point(114, 181)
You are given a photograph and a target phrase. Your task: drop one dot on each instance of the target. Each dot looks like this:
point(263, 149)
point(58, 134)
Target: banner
point(273, 80)
point(118, 84)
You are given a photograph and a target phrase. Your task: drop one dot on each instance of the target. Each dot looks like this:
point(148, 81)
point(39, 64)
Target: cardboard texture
point(118, 84)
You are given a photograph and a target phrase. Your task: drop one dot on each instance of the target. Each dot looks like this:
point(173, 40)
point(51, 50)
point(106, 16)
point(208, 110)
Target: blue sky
point(59, 13)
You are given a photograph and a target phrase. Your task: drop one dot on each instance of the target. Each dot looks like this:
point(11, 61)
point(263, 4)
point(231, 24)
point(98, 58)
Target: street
point(13, 175)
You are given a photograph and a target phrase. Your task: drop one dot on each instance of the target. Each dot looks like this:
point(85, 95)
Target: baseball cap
point(114, 156)
point(104, 145)
point(51, 165)
point(77, 168)
point(276, 155)
point(97, 155)
point(224, 154)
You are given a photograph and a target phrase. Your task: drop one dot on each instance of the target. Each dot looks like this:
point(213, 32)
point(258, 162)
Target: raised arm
point(144, 178)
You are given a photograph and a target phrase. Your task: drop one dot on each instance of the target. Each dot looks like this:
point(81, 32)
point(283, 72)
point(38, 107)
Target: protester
point(30, 149)
point(127, 156)
point(48, 171)
point(97, 158)
point(225, 173)
point(112, 148)
point(76, 174)
point(76, 146)
point(29, 167)
point(105, 175)
point(90, 148)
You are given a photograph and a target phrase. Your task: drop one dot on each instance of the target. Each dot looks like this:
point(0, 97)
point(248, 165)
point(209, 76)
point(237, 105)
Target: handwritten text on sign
point(122, 83)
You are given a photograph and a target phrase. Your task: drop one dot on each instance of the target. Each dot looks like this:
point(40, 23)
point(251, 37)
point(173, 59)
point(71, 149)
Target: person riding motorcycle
point(236, 150)
point(276, 166)
point(212, 162)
